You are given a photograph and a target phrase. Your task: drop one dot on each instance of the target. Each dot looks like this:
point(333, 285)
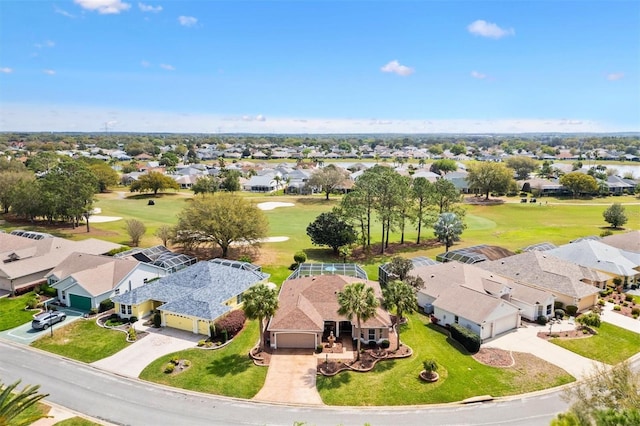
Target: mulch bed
point(569, 334)
point(368, 359)
point(259, 357)
point(494, 357)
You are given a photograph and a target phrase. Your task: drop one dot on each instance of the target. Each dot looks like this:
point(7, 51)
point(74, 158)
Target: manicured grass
point(228, 371)
point(39, 408)
point(83, 340)
point(76, 421)
point(12, 312)
point(396, 382)
point(611, 345)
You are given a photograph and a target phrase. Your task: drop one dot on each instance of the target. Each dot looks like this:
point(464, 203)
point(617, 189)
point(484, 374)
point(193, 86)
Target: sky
point(320, 66)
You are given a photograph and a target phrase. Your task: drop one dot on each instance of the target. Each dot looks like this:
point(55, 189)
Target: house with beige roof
point(629, 241)
point(308, 309)
point(484, 302)
point(84, 280)
point(571, 284)
point(25, 262)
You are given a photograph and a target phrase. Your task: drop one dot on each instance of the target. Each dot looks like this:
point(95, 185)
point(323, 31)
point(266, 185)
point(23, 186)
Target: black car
point(44, 320)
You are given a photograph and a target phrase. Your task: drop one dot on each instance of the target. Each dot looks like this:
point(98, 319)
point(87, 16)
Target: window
point(372, 334)
point(123, 309)
point(64, 294)
point(548, 309)
point(456, 319)
point(117, 291)
point(239, 299)
point(129, 309)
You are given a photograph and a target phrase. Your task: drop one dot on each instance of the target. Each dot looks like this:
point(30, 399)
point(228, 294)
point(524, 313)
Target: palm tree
point(357, 300)
point(400, 296)
point(260, 302)
point(13, 403)
point(448, 228)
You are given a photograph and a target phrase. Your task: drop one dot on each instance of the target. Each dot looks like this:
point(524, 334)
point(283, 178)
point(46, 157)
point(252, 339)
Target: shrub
point(245, 258)
point(187, 363)
point(558, 305)
point(430, 366)
point(628, 297)
point(93, 311)
point(300, 257)
point(470, 340)
point(625, 304)
point(168, 369)
point(601, 302)
point(590, 320)
point(32, 302)
point(157, 320)
point(542, 320)
point(572, 310)
point(132, 334)
point(635, 311)
point(319, 349)
point(37, 289)
point(48, 291)
point(174, 360)
point(385, 344)
point(213, 331)
point(635, 316)
point(201, 343)
point(232, 322)
point(225, 336)
point(617, 308)
point(606, 233)
point(133, 319)
point(559, 313)
point(105, 305)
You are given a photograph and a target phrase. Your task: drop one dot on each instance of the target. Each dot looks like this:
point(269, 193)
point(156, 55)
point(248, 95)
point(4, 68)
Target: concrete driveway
point(291, 378)
point(608, 315)
point(158, 342)
point(25, 334)
point(525, 339)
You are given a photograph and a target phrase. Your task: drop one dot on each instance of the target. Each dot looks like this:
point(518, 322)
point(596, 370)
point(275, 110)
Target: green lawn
point(83, 340)
point(396, 382)
point(12, 312)
point(228, 371)
point(611, 345)
point(76, 421)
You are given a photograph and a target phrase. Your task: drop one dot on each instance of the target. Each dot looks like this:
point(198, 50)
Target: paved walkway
point(608, 315)
point(134, 358)
point(291, 378)
point(525, 339)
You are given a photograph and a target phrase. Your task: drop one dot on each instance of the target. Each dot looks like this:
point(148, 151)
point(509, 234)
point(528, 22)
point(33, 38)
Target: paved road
point(124, 401)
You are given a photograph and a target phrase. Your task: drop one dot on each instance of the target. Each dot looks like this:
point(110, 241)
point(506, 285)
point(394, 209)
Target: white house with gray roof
point(193, 298)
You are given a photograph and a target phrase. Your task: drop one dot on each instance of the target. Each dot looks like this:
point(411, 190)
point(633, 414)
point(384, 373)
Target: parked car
point(45, 320)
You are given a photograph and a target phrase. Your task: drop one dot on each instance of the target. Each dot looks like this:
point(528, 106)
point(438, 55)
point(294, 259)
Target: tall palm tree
point(357, 300)
point(260, 302)
point(13, 403)
point(402, 298)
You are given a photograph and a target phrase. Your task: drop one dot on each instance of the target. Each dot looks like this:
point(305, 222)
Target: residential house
point(308, 310)
point(84, 280)
point(477, 299)
point(620, 186)
point(629, 241)
point(194, 297)
point(570, 283)
point(25, 262)
point(597, 255)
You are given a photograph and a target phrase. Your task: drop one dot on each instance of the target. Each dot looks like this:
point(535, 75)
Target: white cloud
point(63, 12)
point(187, 21)
point(258, 117)
point(478, 75)
point(49, 72)
point(395, 67)
point(615, 76)
point(167, 67)
point(148, 8)
point(104, 7)
point(145, 64)
point(6, 70)
point(489, 29)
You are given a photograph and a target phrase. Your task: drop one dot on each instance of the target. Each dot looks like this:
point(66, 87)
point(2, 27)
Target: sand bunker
point(263, 240)
point(273, 205)
point(102, 219)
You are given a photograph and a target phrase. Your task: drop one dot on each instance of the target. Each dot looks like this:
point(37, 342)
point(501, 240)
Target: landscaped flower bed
point(368, 359)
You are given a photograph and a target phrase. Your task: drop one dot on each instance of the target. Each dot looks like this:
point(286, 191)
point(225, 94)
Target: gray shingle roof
point(600, 256)
point(199, 290)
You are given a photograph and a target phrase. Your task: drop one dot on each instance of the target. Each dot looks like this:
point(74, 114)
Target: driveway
point(608, 315)
point(158, 342)
point(525, 339)
point(25, 334)
point(291, 378)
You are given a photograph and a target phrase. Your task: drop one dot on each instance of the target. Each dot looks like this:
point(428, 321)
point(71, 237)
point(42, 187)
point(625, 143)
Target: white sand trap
point(263, 240)
point(102, 219)
point(273, 205)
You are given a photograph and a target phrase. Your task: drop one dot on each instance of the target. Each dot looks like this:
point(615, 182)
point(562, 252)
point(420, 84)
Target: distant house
point(25, 262)
point(485, 303)
point(263, 183)
point(628, 241)
point(570, 283)
point(84, 280)
point(193, 298)
point(308, 310)
point(619, 186)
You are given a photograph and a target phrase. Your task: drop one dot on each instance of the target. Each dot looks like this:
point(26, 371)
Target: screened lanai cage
point(474, 254)
point(385, 275)
point(539, 247)
point(313, 269)
point(237, 264)
point(159, 256)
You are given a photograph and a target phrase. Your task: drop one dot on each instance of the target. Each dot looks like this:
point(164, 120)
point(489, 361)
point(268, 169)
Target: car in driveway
point(45, 320)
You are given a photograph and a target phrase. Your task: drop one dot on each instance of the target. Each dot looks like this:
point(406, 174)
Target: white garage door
point(505, 324)
point(295, 340)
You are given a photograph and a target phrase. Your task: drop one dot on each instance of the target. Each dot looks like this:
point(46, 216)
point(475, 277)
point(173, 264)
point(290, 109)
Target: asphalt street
point(124, 401)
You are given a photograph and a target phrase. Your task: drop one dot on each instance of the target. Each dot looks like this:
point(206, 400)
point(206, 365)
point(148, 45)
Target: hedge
point(232, 323)
point(467, 338)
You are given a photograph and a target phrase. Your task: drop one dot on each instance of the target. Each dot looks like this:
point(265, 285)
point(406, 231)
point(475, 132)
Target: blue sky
point(318, 67)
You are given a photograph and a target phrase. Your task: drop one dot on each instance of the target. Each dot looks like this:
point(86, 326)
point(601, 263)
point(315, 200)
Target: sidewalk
point(608, 315)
